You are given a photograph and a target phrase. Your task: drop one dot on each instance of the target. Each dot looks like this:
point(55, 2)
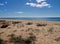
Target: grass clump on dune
point(4, 26)
point(57, 39)
point(30, 39)
point(51, 30)
point(16, 40)
point(2, 20)
point(1, 41)
point(41, 24)
point(19, 40)
point(29, 23)
point(16, 22)
point(1, 33)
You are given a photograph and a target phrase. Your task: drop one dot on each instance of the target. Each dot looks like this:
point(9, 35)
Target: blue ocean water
point(38, 18)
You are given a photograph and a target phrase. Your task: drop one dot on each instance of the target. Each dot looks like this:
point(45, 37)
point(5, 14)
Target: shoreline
point(31, 20)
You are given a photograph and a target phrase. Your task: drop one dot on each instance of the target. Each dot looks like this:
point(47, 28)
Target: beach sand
point(40, 32)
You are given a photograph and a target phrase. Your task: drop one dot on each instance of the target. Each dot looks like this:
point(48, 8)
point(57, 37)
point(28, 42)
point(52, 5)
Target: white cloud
point(40, 4)
point(19, 12)
point(38, 1)
point(1, 4)
point(44, 4)
point(31, 4)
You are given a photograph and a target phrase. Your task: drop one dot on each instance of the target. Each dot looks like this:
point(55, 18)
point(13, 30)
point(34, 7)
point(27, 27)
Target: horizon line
point(26, 16)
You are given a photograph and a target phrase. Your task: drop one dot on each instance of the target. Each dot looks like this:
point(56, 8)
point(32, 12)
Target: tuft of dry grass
point(1, 33)
point(30, 33)
point(4, 26)
point(2, 41)
point(30, 39)
point(29, 23)
point(16, 22)
point(19, 40)
point(41, 24)
point(2, 20)
point(29, 29)
point(11, 35)
point(57, 39)
point(16, 40)
point(51, 30)
point(14, 30)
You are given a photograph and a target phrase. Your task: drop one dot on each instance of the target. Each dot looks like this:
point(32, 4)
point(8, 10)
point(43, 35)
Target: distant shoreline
point(55, 19)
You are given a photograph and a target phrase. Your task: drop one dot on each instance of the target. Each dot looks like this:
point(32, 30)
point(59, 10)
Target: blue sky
point(18, 8)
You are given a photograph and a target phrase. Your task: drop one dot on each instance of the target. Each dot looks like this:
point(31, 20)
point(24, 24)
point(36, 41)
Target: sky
point(29, 8)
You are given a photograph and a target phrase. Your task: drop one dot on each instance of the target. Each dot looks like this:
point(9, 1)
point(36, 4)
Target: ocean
point(34, 18)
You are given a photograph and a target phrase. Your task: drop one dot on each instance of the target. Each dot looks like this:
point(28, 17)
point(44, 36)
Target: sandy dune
point(45, 32)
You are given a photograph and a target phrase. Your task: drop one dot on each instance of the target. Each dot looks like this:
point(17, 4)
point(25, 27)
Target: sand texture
point(29, 32)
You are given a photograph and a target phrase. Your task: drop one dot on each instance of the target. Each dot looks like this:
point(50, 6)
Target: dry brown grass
point(57, 39)
point(4, 26)
point(15, 22)
point(28, 32)
point(29, 23)
point(51, 30)
point(41, 24)
point(19, 40)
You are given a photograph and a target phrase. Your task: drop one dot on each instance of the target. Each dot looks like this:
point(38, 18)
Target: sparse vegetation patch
point(41, 24)
point(4, 26)
point(51, 30)
point(57, 39)
point(19, 40)
point(1, 41)
point(16, 22)
point(29, 23)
